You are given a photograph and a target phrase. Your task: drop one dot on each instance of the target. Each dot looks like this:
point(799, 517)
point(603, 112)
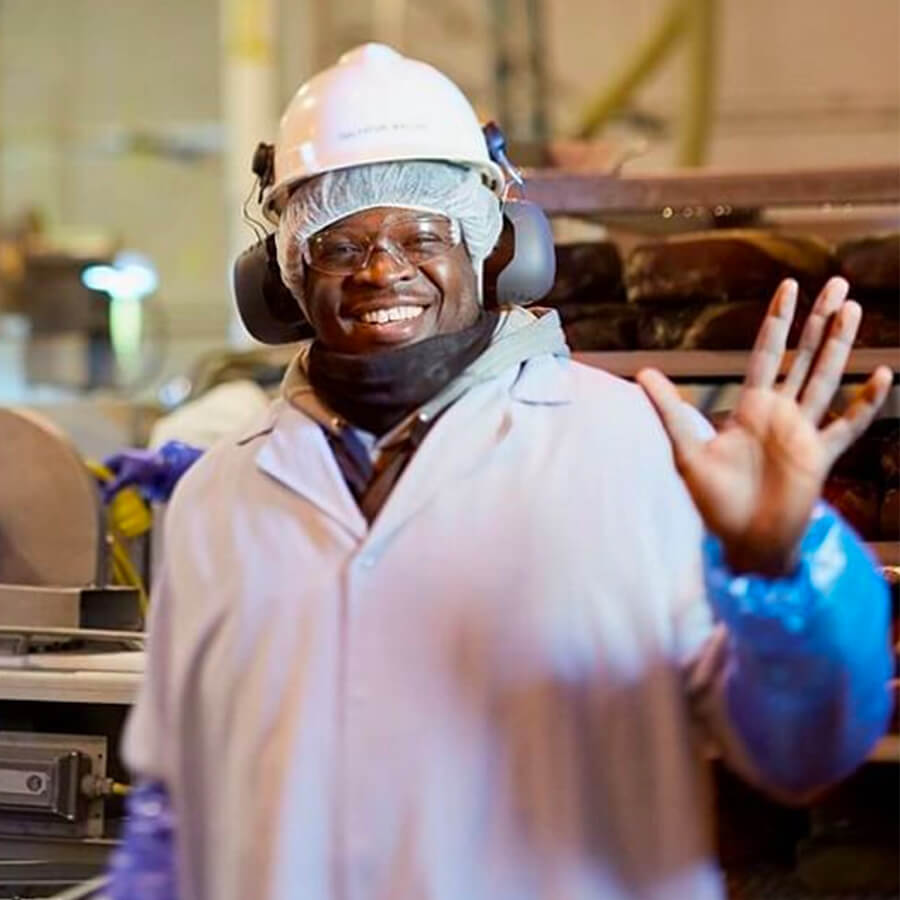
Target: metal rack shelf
point(69, 686)
point(720, 365)
point(561, 191)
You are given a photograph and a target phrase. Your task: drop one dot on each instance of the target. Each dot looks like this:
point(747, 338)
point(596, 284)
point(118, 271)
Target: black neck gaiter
point(375, 391)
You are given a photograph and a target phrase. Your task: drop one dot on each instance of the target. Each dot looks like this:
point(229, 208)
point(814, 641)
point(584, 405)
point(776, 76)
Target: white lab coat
point(481, 697)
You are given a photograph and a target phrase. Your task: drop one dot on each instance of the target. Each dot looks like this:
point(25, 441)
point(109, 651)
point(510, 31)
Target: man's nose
point(384, 267)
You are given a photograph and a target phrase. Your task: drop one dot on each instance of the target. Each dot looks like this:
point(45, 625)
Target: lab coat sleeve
point(793, 682)
point(147, 741)
point(144, 864)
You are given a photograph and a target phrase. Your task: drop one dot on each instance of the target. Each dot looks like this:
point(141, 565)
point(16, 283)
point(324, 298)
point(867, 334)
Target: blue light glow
point(130, 276)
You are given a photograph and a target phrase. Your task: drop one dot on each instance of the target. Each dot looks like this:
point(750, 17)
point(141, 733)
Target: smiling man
point(385, 262)
point(387, 277)
point(453, 619)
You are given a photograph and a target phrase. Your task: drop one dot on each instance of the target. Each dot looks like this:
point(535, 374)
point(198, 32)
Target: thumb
point(674, 414)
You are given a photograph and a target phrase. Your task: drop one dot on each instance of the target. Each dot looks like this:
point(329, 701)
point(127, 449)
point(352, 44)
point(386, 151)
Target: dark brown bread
point(663, 326)
point(587, 273)
point(726, 265)
point(880, 325)
point(889, 444)
point(890, 516)
point(733, 326)
point(873, 455)
point(872, 266)
point(857, 502)
point(607, 326)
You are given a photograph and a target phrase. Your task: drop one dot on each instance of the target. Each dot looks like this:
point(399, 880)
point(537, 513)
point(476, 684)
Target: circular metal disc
point(50, 517)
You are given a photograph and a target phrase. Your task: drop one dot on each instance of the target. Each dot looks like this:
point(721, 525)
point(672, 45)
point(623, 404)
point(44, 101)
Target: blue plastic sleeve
point(806, 686)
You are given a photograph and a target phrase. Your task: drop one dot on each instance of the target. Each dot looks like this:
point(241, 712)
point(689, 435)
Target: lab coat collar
point(472, 429)
point(457, 443)
point(544, 381)
point(294, 450)
point(295, 453)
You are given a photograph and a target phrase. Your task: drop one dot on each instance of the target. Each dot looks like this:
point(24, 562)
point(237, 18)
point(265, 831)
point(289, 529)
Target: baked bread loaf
point(880, 325)
point(726, 265)
point(601, 326)
point(872, 266)
point(858, 502)
point(663, 326)
point(889, 524)
point(587, 273)
point(889, 446)
point(733, 326)
point(861, 461)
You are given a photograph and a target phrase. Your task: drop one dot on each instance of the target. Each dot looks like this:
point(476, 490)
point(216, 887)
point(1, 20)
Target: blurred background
point(129, 125)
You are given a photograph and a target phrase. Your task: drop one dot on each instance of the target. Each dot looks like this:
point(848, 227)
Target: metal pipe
point(699, 92)
point(502, 64)
point(249, 112)
point(635, 70)
point(84, 891)
point(537, 53)
point(3, 31)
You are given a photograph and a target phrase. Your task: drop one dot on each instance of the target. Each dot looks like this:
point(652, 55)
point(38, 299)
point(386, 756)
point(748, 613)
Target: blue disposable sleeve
point(143, 866)
point(806, 683)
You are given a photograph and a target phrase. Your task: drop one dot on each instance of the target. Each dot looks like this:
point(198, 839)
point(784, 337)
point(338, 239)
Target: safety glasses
point(409, 239)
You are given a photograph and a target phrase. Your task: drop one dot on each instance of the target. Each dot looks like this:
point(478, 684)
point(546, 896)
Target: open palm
point(756, 482)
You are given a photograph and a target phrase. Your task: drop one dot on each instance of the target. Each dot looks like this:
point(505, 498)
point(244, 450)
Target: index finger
point(673, 413)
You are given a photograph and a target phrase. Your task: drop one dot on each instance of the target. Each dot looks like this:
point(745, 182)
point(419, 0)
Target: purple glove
point(143, 867)
point(154, 472)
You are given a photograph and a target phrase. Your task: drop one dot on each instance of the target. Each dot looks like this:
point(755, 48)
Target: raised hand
point(756, 482)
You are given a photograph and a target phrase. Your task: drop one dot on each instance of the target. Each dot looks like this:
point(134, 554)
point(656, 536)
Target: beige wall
point(801, 82)
point(77, 78)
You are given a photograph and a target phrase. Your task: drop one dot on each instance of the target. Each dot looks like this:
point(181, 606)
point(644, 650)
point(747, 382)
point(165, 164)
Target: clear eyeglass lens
point(418, 240)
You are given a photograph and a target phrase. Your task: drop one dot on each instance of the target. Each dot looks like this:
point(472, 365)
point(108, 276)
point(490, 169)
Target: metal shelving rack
point(671, 194)
point(562, 192)
point(719, 366)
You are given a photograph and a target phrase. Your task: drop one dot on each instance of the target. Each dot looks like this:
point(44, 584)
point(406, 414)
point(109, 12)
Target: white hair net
point(436, 187)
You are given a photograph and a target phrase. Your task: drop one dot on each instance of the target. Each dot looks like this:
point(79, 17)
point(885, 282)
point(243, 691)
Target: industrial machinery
point(70, 659)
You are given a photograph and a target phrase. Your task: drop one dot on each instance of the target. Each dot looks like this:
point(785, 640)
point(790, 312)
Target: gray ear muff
point(522, 267)
point(266, 307)
point(531, 270)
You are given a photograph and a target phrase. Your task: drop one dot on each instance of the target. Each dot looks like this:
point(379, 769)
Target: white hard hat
point(375, 106)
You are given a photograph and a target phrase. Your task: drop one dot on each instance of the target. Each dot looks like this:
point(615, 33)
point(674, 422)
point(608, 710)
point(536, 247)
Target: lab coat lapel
point(462, 438)
point(467, 434)
point(296, 453)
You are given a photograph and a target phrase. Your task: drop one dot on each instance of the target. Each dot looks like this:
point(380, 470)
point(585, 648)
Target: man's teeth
point(394, 314)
